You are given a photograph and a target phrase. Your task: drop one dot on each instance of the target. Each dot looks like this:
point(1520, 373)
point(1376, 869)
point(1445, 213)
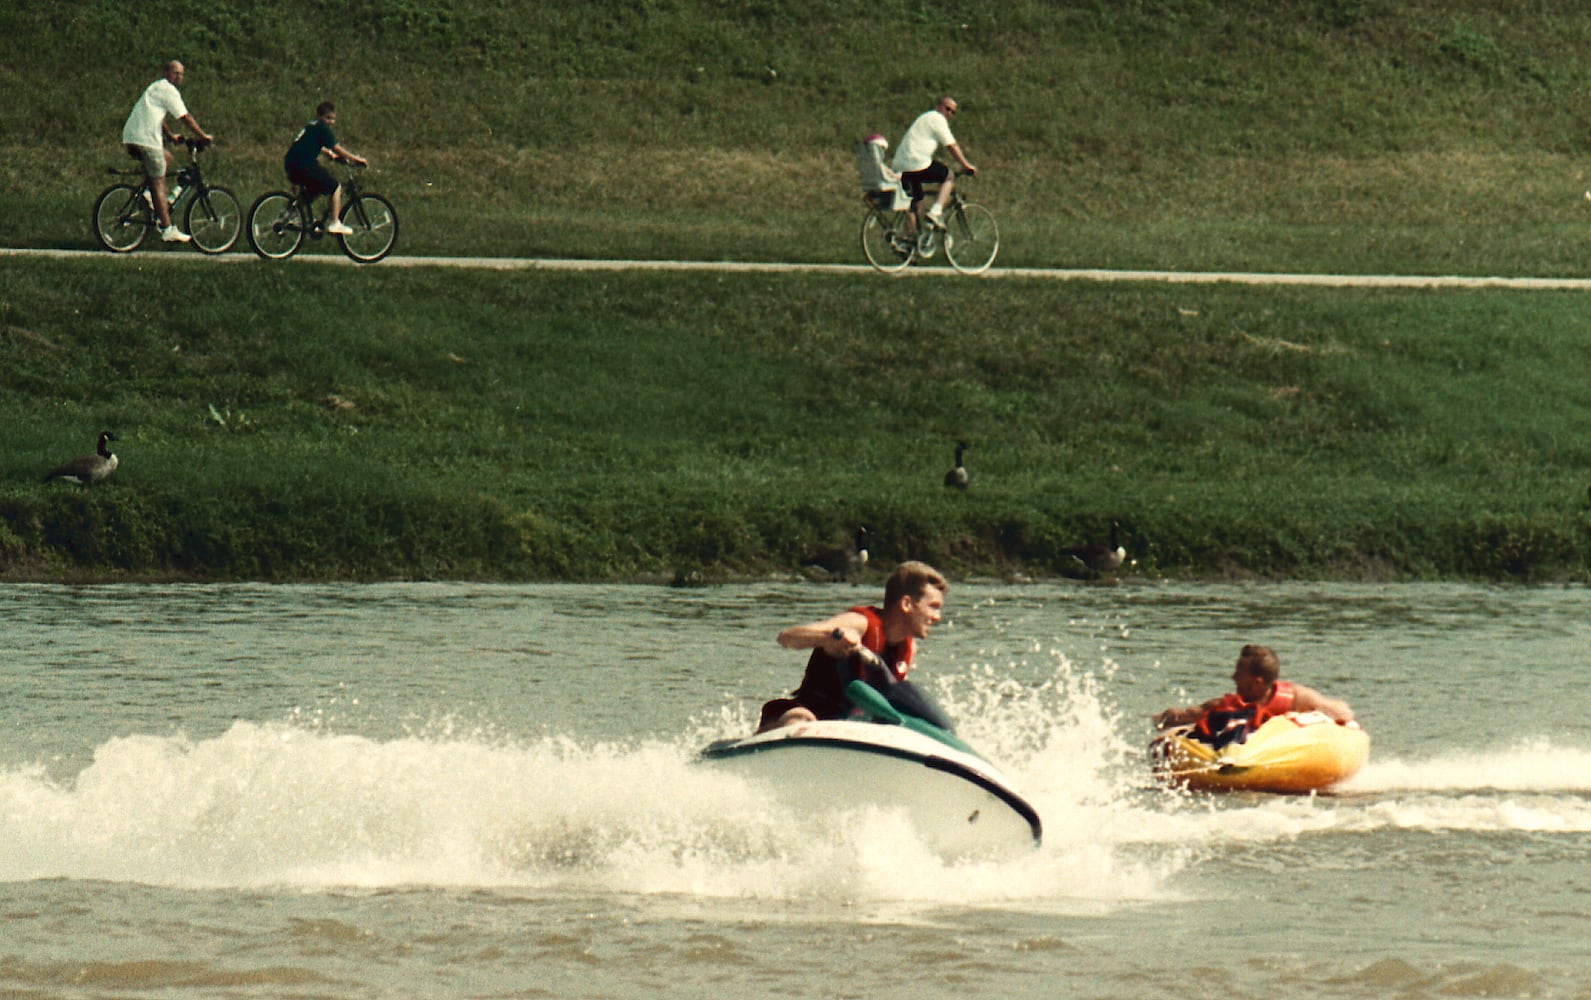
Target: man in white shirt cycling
point(914, 157)
point(144, 136)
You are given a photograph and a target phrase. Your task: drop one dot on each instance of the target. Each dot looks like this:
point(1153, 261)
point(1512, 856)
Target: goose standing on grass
point(89, 469)
point(840, 563)
point(957, 477)
point(1101, 557)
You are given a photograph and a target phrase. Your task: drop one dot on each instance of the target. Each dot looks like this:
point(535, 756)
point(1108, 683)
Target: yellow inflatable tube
point(1296, 753)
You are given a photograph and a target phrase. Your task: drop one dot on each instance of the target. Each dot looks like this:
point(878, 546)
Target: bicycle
point(279, 222)
point(124, 213)
point(892, 242)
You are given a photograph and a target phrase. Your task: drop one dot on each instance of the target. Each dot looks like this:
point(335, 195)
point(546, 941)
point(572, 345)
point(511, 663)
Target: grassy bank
point(302, 421)
point(1321, 135)
point(310, 421)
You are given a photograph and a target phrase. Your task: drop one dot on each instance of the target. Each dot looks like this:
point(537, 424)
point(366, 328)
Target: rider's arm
point(1307, 699)
point(202, 135)
point(339, 153)
point(849, 624)
point(955, 150)
point(1187, 715)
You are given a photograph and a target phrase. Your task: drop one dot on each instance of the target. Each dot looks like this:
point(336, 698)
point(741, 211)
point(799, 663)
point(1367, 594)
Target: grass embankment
point(1320, 135)
point(309, 421)
point(305, 422)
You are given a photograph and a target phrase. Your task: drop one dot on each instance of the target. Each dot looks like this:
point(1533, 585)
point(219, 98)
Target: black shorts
point(913, 180)
point(315, 179)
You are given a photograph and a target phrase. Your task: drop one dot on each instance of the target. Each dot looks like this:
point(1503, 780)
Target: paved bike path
point(775, 267)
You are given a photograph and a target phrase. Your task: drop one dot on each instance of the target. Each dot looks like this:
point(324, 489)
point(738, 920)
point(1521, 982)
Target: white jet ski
point(960, 804)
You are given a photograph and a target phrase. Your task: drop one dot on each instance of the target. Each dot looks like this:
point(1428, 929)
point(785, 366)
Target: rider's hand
point(842, 643)
point(1165, 720)
point(972, 170)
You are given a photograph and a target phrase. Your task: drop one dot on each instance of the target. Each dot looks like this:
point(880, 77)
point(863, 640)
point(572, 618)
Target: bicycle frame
point(279, 221)
point(189, 176)
point(966, 232)
point(956, 203)
point(350, 196)
point(126, 212)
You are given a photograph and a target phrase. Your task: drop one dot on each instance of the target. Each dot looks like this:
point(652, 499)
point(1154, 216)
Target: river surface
point(488, 791)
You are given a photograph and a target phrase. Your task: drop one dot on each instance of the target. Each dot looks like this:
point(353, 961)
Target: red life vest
point(899, 656)
point(822, 688)
point(1232, 711)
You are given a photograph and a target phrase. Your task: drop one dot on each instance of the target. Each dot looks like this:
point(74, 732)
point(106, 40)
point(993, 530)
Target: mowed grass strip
point(307, 422)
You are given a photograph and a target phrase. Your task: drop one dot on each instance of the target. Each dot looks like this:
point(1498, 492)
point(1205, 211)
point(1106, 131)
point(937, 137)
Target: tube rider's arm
point(1173, 717)
point(1306, 699)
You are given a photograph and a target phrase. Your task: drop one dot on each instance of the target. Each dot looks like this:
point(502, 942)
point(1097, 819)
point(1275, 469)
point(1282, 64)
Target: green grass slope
point(1335, 135)
point(319, 421)
point(307, 421)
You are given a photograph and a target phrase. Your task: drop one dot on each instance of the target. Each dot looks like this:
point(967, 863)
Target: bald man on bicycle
point(914, 156)
point(145, 131)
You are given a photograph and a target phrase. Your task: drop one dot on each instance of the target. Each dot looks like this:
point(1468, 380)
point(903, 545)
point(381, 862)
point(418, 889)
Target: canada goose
point(957, 477)
point(1101, 557)
point(840, 563)
point(89, 469)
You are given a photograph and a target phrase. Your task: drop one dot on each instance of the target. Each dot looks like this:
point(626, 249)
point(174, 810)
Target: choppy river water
point(488, 791)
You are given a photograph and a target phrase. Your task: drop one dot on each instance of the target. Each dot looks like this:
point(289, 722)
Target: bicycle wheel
point(121, 219)
point(277, 225)
point(971, 238)
point(214, 219)
point(374, 225)
point(882, 242)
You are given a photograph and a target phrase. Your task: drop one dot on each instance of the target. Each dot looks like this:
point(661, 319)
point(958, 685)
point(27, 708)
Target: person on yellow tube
point(1260, 696)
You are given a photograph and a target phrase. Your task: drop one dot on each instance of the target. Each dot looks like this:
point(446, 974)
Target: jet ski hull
point(959, 803)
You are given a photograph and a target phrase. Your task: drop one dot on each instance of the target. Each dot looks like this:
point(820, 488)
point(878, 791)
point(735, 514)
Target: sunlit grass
point(283, 420)
point(623, 425)
point(1318, 135)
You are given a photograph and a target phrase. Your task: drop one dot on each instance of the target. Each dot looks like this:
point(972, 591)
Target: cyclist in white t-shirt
point(914, 156)
point(143, 136)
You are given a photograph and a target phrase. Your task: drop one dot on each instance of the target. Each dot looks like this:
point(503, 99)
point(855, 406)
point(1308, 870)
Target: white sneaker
point(171, 234)
point(936, 215)
point(336, 228)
